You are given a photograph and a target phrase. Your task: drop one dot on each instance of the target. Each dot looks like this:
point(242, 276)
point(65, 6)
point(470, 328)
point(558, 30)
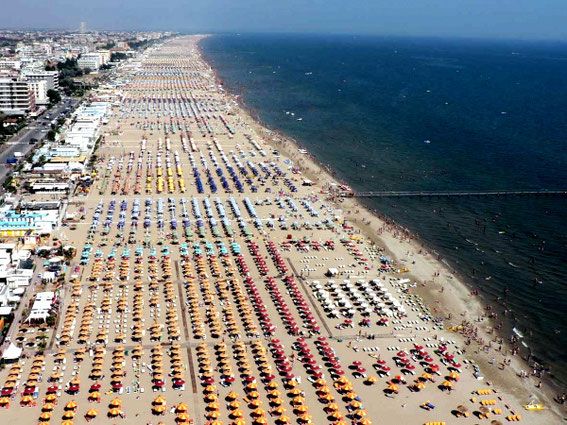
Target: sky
point(516, 19)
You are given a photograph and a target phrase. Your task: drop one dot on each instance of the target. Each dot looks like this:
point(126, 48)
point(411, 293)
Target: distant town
point(54, 98)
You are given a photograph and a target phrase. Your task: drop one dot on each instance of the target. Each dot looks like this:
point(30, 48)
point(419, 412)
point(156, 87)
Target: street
point(35, 129)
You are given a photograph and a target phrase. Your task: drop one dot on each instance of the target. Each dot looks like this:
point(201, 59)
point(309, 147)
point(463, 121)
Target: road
point(35, 129)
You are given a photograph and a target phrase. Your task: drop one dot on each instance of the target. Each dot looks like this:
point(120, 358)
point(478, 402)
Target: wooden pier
point(464, 193)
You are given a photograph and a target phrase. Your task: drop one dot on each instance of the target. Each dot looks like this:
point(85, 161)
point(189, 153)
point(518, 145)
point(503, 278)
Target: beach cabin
point(332, 272)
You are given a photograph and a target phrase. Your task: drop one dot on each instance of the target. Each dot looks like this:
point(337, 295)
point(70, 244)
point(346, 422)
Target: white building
point(39, 89)
point(42, 306)
point(90, 60)
point(16, 96)
point(6, 63)
point(50, 77)
point(105, 56)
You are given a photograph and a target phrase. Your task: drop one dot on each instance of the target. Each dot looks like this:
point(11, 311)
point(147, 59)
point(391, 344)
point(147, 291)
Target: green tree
point(41, 161)
point(51, 135)
point(54, 96)
point(117, 56)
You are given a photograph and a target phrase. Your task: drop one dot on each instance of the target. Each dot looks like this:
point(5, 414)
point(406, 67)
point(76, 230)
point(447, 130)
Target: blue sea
point(494, 114)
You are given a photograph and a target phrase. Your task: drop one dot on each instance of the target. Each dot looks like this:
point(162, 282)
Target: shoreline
point(438, 283)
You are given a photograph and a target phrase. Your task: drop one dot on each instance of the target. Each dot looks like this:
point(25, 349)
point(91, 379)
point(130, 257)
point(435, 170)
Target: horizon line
point(299, 33)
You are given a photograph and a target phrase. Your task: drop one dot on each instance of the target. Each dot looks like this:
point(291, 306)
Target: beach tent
point(331, 271)
point(5, 311)
point(12, 353)
point(38, 315)
point(48, 277)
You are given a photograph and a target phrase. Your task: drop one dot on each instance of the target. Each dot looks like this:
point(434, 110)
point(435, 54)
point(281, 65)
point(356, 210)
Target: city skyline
point(461, 18)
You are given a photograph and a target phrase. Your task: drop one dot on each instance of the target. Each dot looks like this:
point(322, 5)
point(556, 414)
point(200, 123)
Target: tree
point(117, 56)
point(54, 96)
point(51, 135)
point(41, 161)
point(87, 71)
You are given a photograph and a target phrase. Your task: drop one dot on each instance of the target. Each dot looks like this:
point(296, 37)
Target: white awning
point(5, 311)
point(38, 315)
point(12, 352)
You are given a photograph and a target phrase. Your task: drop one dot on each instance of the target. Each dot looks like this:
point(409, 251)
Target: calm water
point(495, 114)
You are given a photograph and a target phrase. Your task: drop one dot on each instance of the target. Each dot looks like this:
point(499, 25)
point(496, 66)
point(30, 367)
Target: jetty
point(461, 193)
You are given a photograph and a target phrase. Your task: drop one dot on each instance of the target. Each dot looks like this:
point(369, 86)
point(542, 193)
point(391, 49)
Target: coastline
point(441, 287)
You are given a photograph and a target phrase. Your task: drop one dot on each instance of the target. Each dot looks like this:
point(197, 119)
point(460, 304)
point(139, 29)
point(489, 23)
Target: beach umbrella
point(256, 403)
point(279, 410)
point(181, 407)
point(70, 414)
point(48, 407)
point(45, 416)
point(159, 409)
point(258, 412)
point(336, 416)
point(420, 385)
point(236, 413)
point(332, 406)
point(92, 413)
point(159, 400)
point(211, 397)
point(182, 417)
point(298, 400)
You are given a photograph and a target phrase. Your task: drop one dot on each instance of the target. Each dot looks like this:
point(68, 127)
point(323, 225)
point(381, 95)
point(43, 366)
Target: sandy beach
point(220, 279)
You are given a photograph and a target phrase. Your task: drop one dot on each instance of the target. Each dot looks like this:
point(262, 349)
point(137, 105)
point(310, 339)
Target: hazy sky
point(525, 19)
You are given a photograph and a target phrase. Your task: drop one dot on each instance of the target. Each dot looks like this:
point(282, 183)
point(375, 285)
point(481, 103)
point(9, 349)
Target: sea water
point(433, 114)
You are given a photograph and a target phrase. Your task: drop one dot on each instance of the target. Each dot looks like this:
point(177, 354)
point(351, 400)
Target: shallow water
point(494, 115)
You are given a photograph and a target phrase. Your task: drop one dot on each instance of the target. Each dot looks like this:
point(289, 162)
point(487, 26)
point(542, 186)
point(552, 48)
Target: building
point(7, 63)
point(50, 187)
point(16, 225)
point(16, 96)
point(90, 60)
point(50, 77)
point(39, 89)
point(105, 56)
point(42, 307)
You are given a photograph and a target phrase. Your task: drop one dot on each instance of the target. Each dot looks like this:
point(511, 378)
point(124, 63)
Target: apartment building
point(16, 96)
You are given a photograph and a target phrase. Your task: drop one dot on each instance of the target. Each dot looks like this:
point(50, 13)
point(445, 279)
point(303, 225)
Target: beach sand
point(217, 311)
